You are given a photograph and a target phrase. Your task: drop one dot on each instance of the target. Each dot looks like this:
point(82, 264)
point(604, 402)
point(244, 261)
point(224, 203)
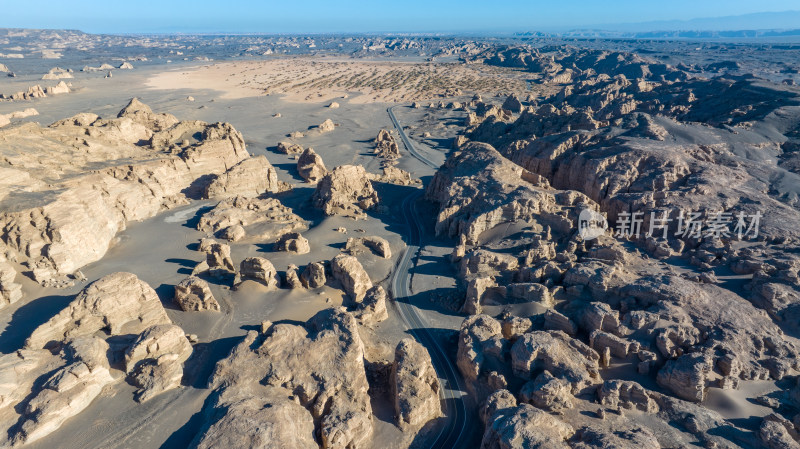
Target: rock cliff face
point(118, 303)
point(414, 385)
point(349, 271)
point(262, 219)
point(249, 178)
point(346, 190)
point(320, 364)
point(116, 323)
point(477, 189)
point(194, 294)
point(63, 212)
point(385, 146)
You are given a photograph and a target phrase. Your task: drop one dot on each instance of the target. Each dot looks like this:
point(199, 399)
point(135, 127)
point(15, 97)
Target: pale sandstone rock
point(346, 190)
point(377, 244)
point(141, 113)
point(65, 394)
point(599, 316)
point(326, 126)
point(260, 270)
point(558, 353)
point(481, 347)
point(616, 394)
point(293, 242)
point(687, 376)
point(547, 393)
point(349, 271)
point(60, 88)
point(76, 217)
point(477, 189)
point(497, 401)
point(636, 438)
point(292, 280)
point(394, 175)
point(262, 421)
point(321, 364)
point(776, 432)
point(81, 377)
point(482, 262)
point(218, 260)
point(515, 327)
point(117, 303)
point(156, 341)
point(556, 321)
point(372, 309)
point(386, 146)
point(194, 294)
point(475, 290)
point(10, 291)
point(19, 370)
point(310, 166)
point(530, 292)
point(313, 275)
point(289, 148)
point(415, 386)
point(249, 178)
point(618, 347)
point(233, 233)
point(155, 376)
point(512, 104)
point(265, 219)
point(525, 426)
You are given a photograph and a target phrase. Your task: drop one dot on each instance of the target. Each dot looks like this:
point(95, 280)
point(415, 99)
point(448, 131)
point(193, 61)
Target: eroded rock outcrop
point(415, 386)
point(511, 426)
point(262, 219)
point(292, 242)
point(346, 190)
point(321, 364)
point(260, 270)
point(310, 166)
point(249, 178)
point(118, 303)
point(385, 146)
point(57, 224)
point(379, 245)
point(194, 294)
point(372, 309)
point(477, 189)
point(349, 271)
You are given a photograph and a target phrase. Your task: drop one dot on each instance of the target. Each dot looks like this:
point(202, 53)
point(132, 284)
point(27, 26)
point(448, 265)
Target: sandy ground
point(321, 79)
point(160, 250)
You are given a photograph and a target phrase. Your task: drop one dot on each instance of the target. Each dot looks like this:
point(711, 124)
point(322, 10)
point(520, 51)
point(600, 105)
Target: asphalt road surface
point(456, 431)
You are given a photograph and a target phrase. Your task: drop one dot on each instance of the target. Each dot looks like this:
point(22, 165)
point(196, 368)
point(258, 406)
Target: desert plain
point(356, 242)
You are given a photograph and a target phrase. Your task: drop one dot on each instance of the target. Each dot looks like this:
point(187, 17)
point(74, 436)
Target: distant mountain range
point(765, 24)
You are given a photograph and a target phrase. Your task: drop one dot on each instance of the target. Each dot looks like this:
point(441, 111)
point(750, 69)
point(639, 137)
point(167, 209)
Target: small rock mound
point(386, 146)
point(289, 148)
point(292, 242)
point(310, 166)
point(194, 294)
point(349, 271)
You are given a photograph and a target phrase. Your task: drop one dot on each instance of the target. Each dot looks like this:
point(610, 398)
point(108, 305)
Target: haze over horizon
point(316, 16)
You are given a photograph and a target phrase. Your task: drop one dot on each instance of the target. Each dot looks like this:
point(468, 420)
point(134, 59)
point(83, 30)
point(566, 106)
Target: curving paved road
point(455, 432)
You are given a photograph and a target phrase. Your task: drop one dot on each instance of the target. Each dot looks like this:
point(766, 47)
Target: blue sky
point(304, 16)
